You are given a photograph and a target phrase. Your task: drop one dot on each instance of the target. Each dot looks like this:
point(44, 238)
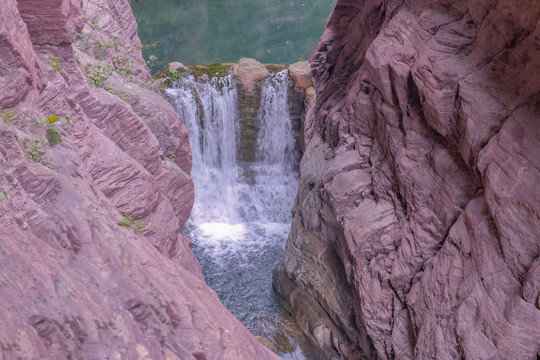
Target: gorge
point(408, 150)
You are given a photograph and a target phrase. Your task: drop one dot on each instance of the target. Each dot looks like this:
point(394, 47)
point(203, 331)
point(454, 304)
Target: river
point(210, 31)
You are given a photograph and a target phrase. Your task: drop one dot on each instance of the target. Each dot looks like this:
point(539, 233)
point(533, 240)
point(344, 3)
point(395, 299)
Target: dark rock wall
point(73, 282)
point(420, 182)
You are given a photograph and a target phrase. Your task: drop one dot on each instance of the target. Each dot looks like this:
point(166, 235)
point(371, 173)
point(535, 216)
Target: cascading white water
point(210, 113)
point(242, 211)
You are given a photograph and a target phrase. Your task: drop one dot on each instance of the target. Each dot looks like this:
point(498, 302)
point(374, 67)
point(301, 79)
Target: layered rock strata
point(73, 282)
point(416, 231)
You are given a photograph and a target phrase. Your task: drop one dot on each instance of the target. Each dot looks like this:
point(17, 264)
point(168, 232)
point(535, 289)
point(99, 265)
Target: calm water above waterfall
point(242, 212)
point(209, 31)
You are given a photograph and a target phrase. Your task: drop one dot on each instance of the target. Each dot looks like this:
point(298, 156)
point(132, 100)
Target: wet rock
point(301, 99)
point(417, 175)
point(177, 67)
point(301, 75)
point(250, 72)
point(267, 343)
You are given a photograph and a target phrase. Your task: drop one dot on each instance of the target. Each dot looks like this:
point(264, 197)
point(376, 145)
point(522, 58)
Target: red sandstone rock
point(421, 176)
point(73, 282)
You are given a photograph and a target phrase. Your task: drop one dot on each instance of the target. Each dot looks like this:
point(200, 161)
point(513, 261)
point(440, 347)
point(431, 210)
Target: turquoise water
point(209, 31)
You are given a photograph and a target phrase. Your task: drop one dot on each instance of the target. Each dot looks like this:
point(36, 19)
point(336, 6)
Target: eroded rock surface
point(416, 231)
point(73, 282)
point(301, 99)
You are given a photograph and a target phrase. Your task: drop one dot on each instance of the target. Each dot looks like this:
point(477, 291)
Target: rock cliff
point(416, 231)
point(94, 188)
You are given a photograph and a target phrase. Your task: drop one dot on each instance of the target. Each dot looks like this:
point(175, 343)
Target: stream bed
point(242, 212)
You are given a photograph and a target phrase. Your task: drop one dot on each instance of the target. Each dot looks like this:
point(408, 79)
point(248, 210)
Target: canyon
point(415, 229)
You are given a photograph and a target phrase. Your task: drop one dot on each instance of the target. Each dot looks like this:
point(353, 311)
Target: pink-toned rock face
point(74, 283)
point(52, 21)
point(421, 176)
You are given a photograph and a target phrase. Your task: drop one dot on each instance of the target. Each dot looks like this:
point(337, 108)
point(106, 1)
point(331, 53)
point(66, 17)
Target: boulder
point(250, 72)
point(177, 67)
point(301, 75)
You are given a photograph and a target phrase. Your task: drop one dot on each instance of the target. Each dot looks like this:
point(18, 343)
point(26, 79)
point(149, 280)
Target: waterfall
point(210, 113)
point(242, 212)
point(276, 180)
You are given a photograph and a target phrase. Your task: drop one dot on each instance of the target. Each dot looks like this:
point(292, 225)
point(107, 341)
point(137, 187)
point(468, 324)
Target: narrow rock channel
point(243, 194)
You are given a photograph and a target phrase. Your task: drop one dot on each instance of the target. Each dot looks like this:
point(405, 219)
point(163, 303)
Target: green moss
point(212, 70)
point(274, 68)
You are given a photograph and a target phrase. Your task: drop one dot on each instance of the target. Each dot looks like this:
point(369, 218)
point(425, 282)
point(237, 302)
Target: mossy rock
point(275, 68)
point(212, 70)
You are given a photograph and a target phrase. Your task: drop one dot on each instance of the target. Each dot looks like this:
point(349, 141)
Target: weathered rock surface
point(73, 283)
point(250, 75)
point(178, 67)
point(250, 72)
point(416, 231)
point(301, 99)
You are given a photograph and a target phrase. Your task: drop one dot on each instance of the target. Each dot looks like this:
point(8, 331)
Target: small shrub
point(126, 221)
point(137, 225)
point(53, 134)
point(122, 65)
point(53, 62)
point(33, 153)
point(7, 114)
point(5, 194)
point(97, 74)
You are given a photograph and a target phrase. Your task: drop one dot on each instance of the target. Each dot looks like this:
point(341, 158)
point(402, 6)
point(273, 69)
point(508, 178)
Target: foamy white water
point(242, 212)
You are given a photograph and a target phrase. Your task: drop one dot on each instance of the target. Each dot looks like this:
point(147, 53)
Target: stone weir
point(416, 230)
point(250, 75)
point(94, 187)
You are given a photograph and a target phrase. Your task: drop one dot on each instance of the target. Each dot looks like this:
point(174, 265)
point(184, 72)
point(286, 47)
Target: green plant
point(53, 62)
point(126, 97)
point(33, 153)
point(137, 225)
point(97, 74)
point(126, 221)
point(5, 194)
point(92, 22)
point(151, 62)
point(171, 157)
point(146, 46)
point(7, 114)
point(109, 89)
point(212, 70)
point(122, 64)
point(53, 134)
